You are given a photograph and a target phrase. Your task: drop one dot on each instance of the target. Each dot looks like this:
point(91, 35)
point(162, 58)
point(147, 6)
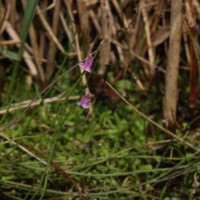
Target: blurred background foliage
point(53, 149)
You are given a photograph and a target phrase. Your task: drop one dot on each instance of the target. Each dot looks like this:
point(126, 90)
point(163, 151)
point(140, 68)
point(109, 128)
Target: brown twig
point(148, 36)
point(37, 155)
point(49, 30)
point(33, 103)
point(27, 57)
point(188, 144)
point(194, 52)
point(60, 171)
point(52, 47)
point(171, 82)
point(106, 35)
point(36, 52)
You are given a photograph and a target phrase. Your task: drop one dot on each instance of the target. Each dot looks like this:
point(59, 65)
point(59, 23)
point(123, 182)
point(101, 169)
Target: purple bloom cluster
point(87, 63)
point(85, 101)
point(86, 66)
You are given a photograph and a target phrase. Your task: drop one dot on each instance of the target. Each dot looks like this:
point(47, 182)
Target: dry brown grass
point(136, 32)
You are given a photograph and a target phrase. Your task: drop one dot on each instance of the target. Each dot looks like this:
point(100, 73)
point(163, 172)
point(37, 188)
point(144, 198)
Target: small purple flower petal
point(87, 63)
point(85, 102)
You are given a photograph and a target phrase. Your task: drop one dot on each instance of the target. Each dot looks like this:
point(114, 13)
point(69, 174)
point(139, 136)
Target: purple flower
point(87, 63)
point(85, 101)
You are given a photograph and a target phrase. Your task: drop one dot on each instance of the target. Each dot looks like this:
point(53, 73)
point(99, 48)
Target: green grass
point(56, 150)
point(110, 156)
